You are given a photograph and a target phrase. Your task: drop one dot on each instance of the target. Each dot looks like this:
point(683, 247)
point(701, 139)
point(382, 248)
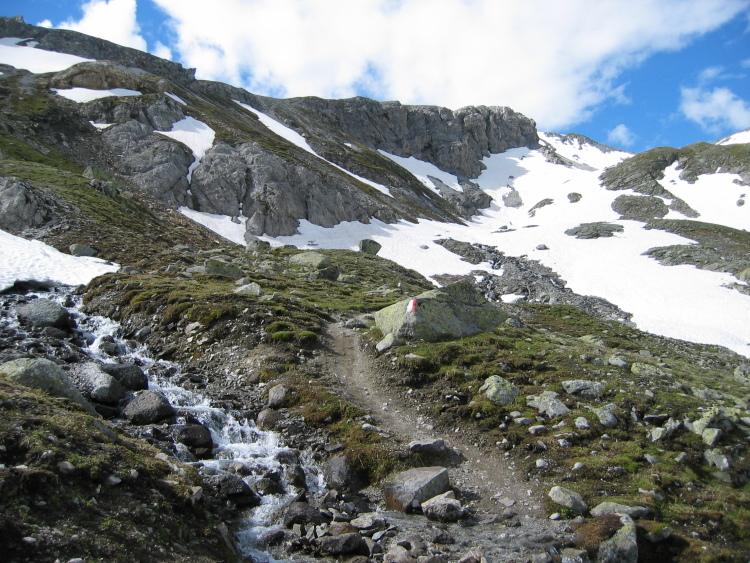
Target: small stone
point(542, 463)
point(569, 499)
point(711, 436)
point(651, 459)
point(538, 429)
point(582, 424)
point(577, 466)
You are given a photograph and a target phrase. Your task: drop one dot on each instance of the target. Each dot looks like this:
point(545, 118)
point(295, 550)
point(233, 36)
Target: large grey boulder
point(622, 547)
point(148, 407)
point(47, 376)
point(569, 499)
point(222, 267)
point(130, 376)
point(368, 246)
point(339, 545)
point(499, 391)
point(196, 437)
point(453, 311)
point(43, 313)
point(22, 206)
point(96, 384)
point(407, 490)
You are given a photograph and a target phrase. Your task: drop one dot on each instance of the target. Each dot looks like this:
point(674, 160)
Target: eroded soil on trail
point(486, 479)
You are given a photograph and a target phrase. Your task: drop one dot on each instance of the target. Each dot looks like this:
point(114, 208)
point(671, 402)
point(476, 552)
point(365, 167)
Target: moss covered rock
point(453, 311)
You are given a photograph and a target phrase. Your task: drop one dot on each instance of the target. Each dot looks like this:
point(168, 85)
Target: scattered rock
point(81, 250)
point(622, 547)
point(96, 384)
point(432, 447)
point(148, 407)
point(499, 391)
point(606, 415)
point(249, 289)
point(130, 376)
point(595, 230)
point(547, 403)
point(267, 419)
point(276, 396)
point(443, 508)
point(221, 267)
point(606, 508)
point(584, 388)
point(339, 545)
point(410, 488)
point(569, 499)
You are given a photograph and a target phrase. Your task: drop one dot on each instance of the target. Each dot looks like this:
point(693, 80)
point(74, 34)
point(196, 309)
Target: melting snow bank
point(32, 260)
point(82, 95)
point(198, 137)
point(21, 53)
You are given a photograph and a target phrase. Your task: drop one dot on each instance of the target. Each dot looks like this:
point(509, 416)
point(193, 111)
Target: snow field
point(24, 260)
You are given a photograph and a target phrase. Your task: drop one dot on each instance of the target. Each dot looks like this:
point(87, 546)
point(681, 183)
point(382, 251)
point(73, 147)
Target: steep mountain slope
point(586, 245)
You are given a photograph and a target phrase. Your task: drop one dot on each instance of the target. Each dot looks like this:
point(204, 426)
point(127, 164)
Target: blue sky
point(631, 73)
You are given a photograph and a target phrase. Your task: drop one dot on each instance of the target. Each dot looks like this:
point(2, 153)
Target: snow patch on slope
point(584, 153)
point(35, 60)
point(82, 95)
point(198, 136)
point(222, 225)
point(296, 139)
point(423, 170)
point(739, 138)
point(32, 260)
point(714, 196)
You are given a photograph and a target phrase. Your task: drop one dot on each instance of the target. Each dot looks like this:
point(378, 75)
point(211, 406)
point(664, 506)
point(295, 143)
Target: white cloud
point(45, 23)
point(710, 73)
point(621, 136)
point(113, 20)
point(162, 51)
point(555, 61)
point(717, 110)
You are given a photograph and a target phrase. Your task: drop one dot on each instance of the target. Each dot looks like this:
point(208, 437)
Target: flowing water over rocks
point(272, 495)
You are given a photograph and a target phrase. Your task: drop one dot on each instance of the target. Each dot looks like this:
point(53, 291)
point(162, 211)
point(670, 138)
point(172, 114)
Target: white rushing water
point(236, 439)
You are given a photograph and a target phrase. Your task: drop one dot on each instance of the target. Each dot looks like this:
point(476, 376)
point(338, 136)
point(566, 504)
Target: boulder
point(622, 547)
point(583, 387)
point(453, 311)
point(96, 384)
point(547, 403)
point(21, 205)
point(312, 260)
point(276, 396)
point(443, 508)
point(249, 289)
point(267, 419)
point(44, 313)
point(235, 490)
point(220, 267)
point(569, 499)
point(368, 246)
point(78, 249)
point(742, 372)
point(45, 375)
point(196, 437)
point(605, 508)
point(428, 447)
point(409, 489)
point(606, 415)
point(148, 407)
point(304, 513)
point(640, 207)
point(130, 376)
point(339, 474)
point(499, 391)
point(339, 545)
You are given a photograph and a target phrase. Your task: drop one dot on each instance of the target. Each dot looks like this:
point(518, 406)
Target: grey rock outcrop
point(45, 375)
point(454, 141)
point(640, 207)
point(22, 205)
point(443, 508)
point(594, 230)
point(368, 246)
